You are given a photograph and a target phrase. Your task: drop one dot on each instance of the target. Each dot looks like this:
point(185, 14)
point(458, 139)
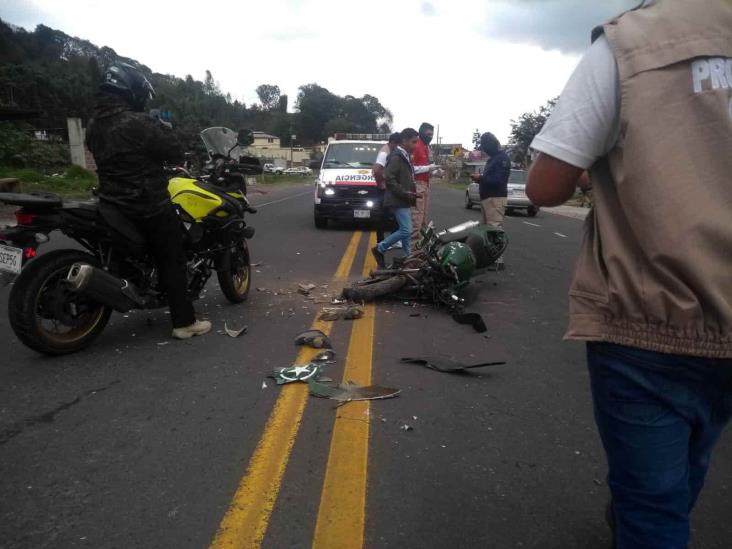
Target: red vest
point(421, 157)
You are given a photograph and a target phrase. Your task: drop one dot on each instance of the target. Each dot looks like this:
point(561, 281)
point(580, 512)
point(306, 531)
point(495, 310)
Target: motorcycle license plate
point(11, 259)
point(362, 214)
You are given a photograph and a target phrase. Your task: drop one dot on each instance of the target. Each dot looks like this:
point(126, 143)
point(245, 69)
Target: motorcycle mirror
point(245, 138)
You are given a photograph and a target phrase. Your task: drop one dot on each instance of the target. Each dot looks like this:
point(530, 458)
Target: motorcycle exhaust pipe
point(103, 287)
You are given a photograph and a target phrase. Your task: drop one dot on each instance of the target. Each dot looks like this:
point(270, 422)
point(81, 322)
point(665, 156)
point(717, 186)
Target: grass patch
point(74, 182)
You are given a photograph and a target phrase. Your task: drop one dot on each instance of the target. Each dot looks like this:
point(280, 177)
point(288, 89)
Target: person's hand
point(433, 167)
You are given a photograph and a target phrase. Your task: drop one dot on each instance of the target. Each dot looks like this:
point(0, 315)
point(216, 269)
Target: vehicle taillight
point(24, 218)
point(29, 253)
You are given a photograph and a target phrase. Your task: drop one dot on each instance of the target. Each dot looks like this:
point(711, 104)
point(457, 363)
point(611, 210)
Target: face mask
point(427, 139)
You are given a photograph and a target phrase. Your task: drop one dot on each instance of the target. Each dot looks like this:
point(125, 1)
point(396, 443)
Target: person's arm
point(162, 143)
point(378, 172)
point(427, 168)
point(584, 126)
point(551, 182)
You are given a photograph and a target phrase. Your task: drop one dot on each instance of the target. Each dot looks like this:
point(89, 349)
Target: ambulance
point(346, 189)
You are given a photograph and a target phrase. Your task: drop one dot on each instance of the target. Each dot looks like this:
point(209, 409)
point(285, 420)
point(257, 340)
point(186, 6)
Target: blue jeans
point(659, 417)
point(404, 232)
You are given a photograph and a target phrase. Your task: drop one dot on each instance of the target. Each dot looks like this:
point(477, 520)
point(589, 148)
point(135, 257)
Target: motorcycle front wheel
point(45, 315)
point(235, 275)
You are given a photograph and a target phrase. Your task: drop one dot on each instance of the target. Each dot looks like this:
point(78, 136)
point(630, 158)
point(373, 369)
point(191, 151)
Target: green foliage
point(14, 144)
point(74, 182)
point(526, 128)
point(49, 71)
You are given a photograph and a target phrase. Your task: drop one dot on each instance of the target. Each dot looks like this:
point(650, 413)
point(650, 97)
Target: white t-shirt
point(382, 156)
point(585, 122)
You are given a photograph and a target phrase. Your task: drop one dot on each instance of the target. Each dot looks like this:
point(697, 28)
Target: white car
point(271, 168)
point(299, 170)
point(517, 199)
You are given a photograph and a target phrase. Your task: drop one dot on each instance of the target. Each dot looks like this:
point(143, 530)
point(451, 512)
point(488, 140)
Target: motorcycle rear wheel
point(373, 288)
point(235, 278)
point(46, 316)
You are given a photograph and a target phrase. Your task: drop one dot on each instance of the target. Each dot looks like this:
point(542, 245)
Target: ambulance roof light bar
point(341, 136)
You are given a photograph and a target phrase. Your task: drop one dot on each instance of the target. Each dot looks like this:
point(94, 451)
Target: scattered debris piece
point(446, 365)
point(325, 357)
point(415, 418)
point(264, 384)
point(330, 314)
point(259, 264)
point(353, 313)
point(347, 392)
point(313, 338)
point(262, 290)
point(305, 289)
point(406, 427)
point(163, 343)
point(414, 315)
point(471, 319)
point(291, 374)
point(235, 333)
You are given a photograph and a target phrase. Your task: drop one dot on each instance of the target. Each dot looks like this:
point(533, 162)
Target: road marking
point(281, 199)
point(245, 522)
point(561, 235)
point(342, 512)
point(532, 224)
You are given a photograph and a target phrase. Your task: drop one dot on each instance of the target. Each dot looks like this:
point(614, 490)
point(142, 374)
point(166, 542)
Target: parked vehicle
point(346, 188)
point(299, 170)
point(517, 199)
point(62, 300)
point(442, 264)
point(271, 168)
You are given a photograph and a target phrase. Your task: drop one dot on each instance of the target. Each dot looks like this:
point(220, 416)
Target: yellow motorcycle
point(62, 300)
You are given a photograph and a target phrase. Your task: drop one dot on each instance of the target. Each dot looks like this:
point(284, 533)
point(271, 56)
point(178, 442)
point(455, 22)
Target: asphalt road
point(145, 442)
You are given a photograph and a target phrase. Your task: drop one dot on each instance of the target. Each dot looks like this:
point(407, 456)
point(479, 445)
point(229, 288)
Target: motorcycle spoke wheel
point(63, 317)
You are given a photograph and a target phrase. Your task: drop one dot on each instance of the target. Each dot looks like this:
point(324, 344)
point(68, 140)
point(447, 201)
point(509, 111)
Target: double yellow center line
point(245, 522)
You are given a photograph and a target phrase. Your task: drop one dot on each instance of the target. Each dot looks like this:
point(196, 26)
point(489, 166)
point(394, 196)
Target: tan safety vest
point(655, 271)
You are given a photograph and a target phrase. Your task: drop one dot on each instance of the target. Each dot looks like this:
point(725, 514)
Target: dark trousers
point(659, 417)
point(165, 241)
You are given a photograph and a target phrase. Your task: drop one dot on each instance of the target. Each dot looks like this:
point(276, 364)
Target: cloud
point(428, 9)
point(444, 77)
point(563, 25)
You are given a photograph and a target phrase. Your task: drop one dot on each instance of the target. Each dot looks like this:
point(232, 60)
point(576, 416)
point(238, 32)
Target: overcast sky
point(462, 64)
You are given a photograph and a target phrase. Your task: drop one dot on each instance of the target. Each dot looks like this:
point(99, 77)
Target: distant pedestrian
point(648, 112)
point(493, 184)
point(378, 172)
point(422, 160)
point(400, 195)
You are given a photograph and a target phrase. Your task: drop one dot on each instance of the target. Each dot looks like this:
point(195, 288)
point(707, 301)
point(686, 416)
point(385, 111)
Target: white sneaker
point(198, 328)
point(397, 246)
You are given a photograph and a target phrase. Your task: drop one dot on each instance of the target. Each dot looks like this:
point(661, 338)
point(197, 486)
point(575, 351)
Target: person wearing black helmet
point(129, 148)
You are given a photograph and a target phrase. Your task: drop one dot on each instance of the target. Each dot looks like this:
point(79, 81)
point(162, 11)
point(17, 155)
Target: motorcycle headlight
point(329, 191)
point(370, 204)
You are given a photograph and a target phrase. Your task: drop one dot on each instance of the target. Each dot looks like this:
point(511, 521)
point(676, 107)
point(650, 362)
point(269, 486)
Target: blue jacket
point(494, 181)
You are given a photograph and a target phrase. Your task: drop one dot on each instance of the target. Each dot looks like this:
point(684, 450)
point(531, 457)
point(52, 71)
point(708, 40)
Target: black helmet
point(128, 82)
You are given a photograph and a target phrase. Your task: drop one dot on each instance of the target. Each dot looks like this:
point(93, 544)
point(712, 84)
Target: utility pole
point(438, 142)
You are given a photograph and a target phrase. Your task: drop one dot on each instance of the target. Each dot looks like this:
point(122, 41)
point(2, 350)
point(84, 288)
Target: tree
point(282, 103)
point(525, 128)
point(269, 96)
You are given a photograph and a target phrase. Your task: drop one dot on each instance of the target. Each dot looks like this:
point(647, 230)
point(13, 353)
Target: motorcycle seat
point(122, 228)
point(88, 211)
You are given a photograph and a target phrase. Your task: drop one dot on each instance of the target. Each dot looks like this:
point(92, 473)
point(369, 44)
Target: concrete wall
point(76, 142)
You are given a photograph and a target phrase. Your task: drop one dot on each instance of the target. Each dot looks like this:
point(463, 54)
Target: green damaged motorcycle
point(442, 264)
